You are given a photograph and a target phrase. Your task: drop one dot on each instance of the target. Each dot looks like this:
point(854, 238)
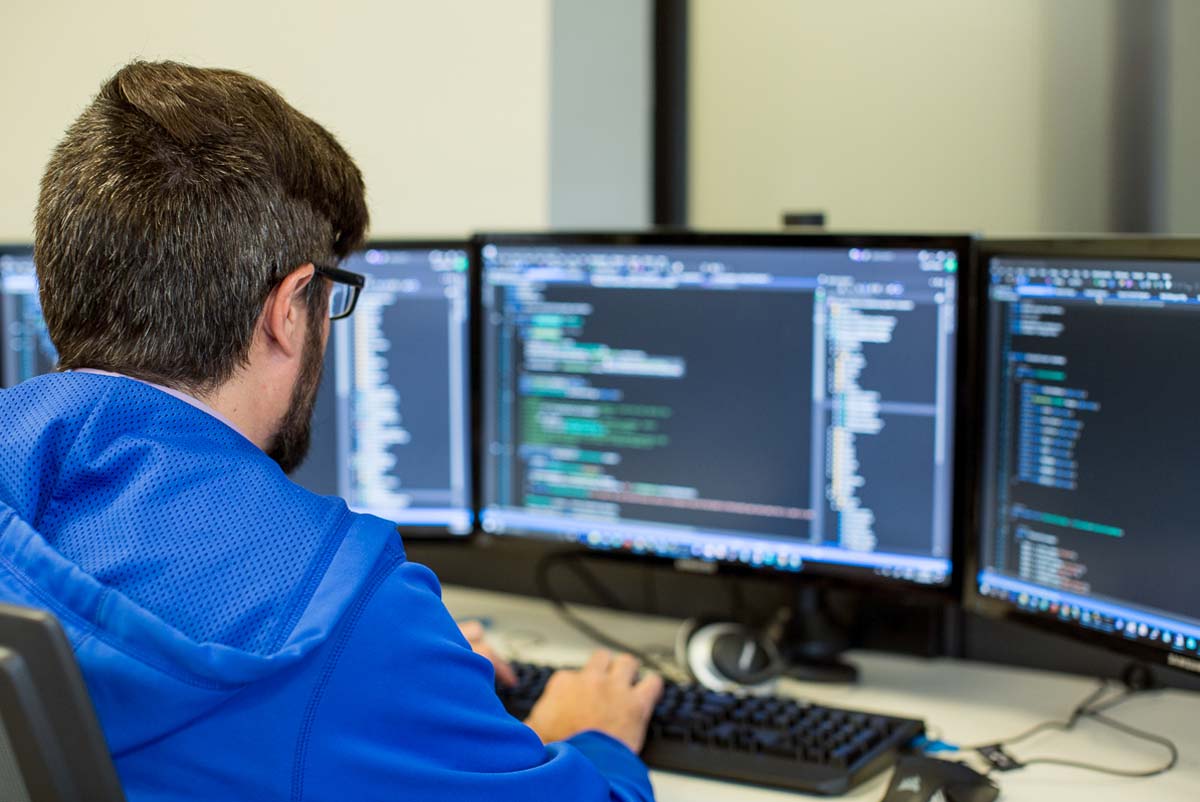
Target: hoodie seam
point(67, 445)
point(96, 633)
point(87, 636)
point(316, 573)
point(300, 763)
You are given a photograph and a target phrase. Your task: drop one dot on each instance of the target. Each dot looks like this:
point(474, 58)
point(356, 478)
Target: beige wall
point(922, 114)
point(1183, 119)
point(406, 85)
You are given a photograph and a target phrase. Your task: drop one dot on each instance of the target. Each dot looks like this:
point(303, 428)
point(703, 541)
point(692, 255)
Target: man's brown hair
point(170, 210)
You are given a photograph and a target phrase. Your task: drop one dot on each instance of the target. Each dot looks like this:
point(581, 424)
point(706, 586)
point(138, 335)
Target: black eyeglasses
point(346, 288)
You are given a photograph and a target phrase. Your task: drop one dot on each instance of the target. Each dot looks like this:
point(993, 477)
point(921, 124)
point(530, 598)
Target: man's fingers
point(624, 667)
point(649, 689)
point(471, 630)
point(476, 635)
point(504, 671)
point(599, 661)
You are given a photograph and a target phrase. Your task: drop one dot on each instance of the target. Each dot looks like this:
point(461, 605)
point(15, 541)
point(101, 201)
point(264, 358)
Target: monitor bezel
point(816, 572)
point(8, 249)
point(433, 532)
point(1110, 247)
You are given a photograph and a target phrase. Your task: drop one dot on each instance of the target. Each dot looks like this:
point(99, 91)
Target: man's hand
point(476, 636)
point(603, 695)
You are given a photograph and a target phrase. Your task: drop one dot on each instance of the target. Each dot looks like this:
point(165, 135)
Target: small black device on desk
point(920, 779)
point(765, 740)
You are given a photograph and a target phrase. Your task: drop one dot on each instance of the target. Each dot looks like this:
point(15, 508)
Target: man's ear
point(284, 314)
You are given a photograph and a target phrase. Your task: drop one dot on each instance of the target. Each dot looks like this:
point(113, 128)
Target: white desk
point(960, 701)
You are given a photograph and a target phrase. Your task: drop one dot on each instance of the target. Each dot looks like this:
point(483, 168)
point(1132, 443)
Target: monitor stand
point(811, 642)
point(1138, 676)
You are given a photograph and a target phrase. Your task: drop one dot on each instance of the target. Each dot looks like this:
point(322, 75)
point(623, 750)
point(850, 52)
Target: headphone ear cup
point(724, 656)
point(683, 637)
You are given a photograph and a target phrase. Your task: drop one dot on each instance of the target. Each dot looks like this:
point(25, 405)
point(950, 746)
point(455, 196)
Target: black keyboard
point(755, 739)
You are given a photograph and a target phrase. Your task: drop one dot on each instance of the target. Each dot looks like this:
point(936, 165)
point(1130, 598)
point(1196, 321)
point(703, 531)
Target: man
point(243, 639)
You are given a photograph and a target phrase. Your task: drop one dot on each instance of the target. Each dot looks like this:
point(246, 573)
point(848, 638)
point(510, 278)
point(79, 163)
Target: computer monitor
point(392, 423)
point(1088, 517)
point(25, 347)
point(782, 402)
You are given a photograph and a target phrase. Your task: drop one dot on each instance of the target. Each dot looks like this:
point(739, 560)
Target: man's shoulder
point(226, 549)
point(51, 415)
point(169, 507)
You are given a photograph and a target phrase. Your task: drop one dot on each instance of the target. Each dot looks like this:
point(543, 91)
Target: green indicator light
point(951, 265)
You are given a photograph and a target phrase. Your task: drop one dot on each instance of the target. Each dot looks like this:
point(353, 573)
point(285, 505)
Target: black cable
point(1091, 700)
point(737, 599)
point(1091, 707)
point(650, 589)
point(1029, 733)
point(1132, 731)
point(601, 591)
point(1135, 732)
point(574, 562)
point(1041, 727)
point(1066, 725)
point(1126, 693)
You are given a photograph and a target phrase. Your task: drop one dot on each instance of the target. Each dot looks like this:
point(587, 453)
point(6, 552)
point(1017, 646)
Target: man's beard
point(289, 444)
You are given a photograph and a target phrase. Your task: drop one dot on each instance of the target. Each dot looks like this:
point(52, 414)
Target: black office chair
point(51, 746)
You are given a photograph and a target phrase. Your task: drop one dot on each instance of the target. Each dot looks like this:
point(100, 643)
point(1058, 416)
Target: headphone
point(725, 656)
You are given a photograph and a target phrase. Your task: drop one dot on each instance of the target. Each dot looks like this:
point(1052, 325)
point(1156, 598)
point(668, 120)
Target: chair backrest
point(51, 745)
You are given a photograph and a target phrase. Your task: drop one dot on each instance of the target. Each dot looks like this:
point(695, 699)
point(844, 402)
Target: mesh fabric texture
point(167, 505)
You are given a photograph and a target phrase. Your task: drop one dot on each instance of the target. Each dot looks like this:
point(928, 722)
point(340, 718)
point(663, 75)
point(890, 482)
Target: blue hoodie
point(242, 638)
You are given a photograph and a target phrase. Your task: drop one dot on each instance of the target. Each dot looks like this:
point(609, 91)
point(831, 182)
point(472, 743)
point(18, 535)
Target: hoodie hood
point(97, 475)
